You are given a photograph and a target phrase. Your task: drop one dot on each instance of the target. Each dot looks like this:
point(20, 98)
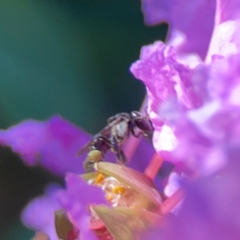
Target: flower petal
point(76, 200)
point(227, 10)
point(165, 79)
point(195, 19)
point(136, 180)
point(127, 223)
point(39, 213)
point(211, 207)
point(52, 144)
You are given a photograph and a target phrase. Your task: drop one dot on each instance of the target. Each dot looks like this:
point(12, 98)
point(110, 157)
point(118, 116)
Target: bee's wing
point(105, 131)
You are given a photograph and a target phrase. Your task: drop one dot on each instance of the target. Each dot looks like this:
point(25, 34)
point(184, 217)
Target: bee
point(114, 135)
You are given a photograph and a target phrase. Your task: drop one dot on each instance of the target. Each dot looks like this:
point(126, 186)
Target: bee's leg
point(121, 157)
point(103, 143)
point(136, 134)
point(88, 166)
point(117, 150)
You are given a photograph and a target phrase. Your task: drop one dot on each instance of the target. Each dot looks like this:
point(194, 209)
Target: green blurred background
point(70, 57)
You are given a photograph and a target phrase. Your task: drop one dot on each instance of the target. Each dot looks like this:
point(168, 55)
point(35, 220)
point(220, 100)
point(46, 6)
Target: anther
point(99, 178)
point(118, 190)
point(109, 197)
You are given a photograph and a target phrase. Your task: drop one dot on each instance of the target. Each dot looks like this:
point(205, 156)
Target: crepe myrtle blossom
point(194, 109)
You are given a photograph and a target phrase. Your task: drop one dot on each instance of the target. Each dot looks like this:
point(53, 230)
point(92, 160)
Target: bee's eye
point(144, 125)
point(135, 114)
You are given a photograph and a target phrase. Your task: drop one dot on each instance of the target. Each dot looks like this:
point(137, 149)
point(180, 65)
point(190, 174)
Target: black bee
point(114, 135)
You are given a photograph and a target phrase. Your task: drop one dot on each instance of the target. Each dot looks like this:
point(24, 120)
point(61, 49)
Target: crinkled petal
point(203, 138)
point(39, 213)
point(224, 78)
point(76, 200)
point(227, 10)
point(194, 111)
point(225, 40)
point(195, 19)
point(166, 80)
point(52, 144)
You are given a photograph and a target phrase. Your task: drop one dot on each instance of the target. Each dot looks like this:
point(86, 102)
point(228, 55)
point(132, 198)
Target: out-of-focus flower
point(39, 214)
point(211, 208)
point(192, 19)
point(52, 144)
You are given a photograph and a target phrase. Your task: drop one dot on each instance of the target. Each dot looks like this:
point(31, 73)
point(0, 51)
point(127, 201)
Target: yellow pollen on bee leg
point(118, 190)
point(95, 155)
point(99, 178)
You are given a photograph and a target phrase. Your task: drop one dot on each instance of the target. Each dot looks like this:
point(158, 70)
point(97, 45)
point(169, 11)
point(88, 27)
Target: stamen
point(109, 197)
point(154, 166)
point(168, 205)
point(99, 178)
point(118, 190)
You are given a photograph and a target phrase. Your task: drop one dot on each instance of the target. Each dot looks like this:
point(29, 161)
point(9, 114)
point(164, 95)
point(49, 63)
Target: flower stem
point(154, 166)
point(172, 201)
point(132, 143)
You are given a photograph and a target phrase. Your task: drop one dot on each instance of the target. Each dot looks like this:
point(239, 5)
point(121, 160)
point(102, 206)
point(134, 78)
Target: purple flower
point(227, 10)
point(194, 109)
point(165, 78)
point(194, 19)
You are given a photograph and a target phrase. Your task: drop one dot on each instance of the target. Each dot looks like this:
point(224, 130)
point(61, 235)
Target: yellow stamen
point(118, 190)
point(99, 178)
point(109, 197)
